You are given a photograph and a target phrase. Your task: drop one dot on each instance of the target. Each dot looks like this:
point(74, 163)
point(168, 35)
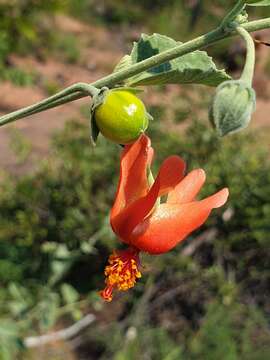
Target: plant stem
point(236, 10)
point(248, 72)
point(61, 101)
point(180, 50)
point(80, 90)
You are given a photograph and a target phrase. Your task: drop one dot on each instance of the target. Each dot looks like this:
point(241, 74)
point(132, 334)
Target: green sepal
point(150, 117)
point(232, 107)
point(151, 181)
point(150, 177)
point(128, 88)
point(97, 100)
point(94, 131)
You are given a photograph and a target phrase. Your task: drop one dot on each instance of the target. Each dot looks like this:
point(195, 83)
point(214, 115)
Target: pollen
point(121, 273)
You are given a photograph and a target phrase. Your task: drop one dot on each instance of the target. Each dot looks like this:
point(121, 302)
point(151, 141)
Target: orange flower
point(140, 221)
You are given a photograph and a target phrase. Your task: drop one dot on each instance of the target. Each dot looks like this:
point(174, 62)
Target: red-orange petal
point(133, 181)
point(188, 188)
point(171, 223)
point(170, 174)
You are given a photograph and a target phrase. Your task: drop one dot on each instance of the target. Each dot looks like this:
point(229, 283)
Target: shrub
point(54, 227)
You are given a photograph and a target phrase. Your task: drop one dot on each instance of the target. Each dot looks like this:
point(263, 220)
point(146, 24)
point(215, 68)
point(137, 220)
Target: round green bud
point(232, 106)
point(121, 117)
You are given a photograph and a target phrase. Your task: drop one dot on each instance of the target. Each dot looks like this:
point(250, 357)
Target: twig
point(64, 334)
point(171, 293)
point(206, 236)
point(80, 90)
point(189, 250)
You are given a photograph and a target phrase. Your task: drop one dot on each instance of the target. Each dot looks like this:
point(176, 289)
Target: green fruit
point(121, 117)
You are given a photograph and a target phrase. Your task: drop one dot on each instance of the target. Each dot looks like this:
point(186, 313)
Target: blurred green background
point(207, 299)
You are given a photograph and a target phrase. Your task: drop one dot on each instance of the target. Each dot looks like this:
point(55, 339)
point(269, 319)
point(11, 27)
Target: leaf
point(194, 68)
point(259, 3)
point(48, 311)
point(76, 314)
point(9, 339)
point(61, 261)
point(8, 329)
point(124, 63)
point(19, 300)
point(69, 294)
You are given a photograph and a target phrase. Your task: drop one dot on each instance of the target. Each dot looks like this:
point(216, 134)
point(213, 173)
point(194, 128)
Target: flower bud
point(232, 106)
point(120, 116)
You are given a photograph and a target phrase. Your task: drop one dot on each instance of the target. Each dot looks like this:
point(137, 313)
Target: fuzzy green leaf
point(194, 68)
point(123, 63)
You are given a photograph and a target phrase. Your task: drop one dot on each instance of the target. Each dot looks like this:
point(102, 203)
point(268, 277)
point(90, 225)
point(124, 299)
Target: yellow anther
point(121, 273)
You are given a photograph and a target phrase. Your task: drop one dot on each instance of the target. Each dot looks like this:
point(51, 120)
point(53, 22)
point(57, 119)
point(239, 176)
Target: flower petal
point(170, 173)
point(188, 188)
point(133, 174)
point(171, 223)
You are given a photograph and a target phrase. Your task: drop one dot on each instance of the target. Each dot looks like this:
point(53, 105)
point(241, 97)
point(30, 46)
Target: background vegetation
point(207, 299)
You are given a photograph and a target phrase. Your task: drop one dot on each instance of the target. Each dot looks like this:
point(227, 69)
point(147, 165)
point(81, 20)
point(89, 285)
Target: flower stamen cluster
point(121, 273)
